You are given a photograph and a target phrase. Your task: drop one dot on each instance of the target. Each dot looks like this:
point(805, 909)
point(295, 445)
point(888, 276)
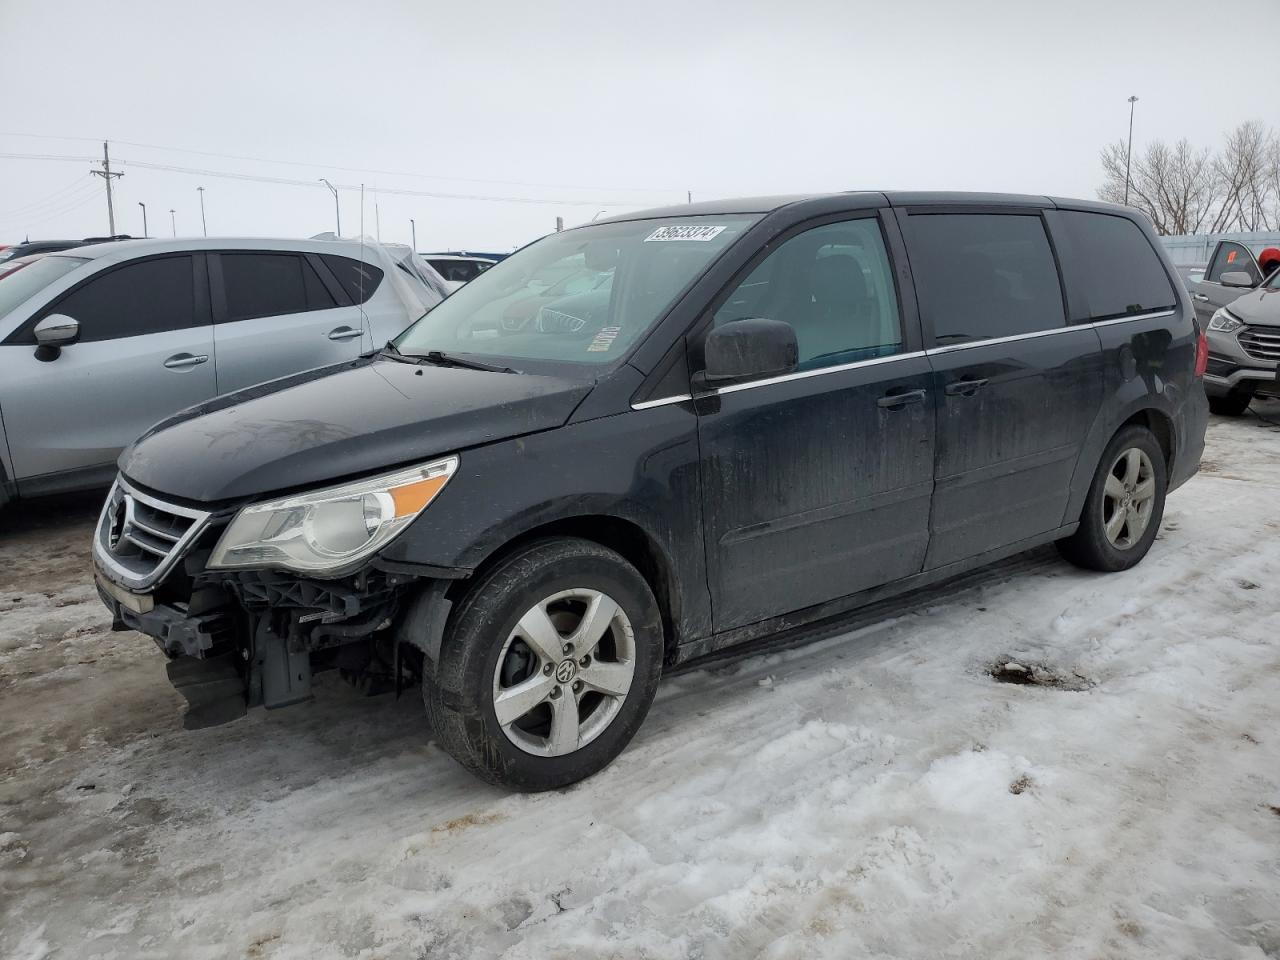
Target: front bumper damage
point(248, 638)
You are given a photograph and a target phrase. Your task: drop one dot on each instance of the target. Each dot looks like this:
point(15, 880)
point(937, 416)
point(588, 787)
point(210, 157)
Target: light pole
point(144, 217)
point(1128, 154)
point(173, 223)
point(337, 211)
point(204, 227)
point(413, 229)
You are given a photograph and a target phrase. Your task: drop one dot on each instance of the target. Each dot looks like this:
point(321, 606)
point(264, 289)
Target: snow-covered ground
point(875, 795)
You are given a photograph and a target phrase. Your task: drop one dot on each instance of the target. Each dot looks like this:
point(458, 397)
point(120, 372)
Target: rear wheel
point(1233, 404)
point(551, 663)
point(1122, 513)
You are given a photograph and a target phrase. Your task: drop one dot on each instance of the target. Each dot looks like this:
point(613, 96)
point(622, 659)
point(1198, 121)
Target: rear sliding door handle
point(181, 361)
point(965, 388)
point(896, 401)
point(343, 333)
point(1201, 297)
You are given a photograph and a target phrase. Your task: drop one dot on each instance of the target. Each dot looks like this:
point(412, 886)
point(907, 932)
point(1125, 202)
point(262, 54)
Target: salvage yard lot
point(879, 794)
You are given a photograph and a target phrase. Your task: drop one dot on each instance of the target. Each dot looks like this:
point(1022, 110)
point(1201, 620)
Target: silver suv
point(100, 342)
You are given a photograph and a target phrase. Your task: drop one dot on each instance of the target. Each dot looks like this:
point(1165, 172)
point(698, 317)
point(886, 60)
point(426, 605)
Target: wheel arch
point(624, 536)
point(1142, 412)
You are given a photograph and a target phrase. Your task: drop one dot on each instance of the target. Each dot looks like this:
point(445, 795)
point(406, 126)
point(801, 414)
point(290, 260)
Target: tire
point(1093, 546)
point(493, 657)
point(1230, 405)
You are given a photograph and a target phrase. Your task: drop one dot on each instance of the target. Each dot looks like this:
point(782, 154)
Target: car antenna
point(364, 317)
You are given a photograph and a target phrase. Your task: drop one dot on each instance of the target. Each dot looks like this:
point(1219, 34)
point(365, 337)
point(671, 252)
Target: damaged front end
point(244, 637)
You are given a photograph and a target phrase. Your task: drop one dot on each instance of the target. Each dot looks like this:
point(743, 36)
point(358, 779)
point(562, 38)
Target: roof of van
point(895, 198)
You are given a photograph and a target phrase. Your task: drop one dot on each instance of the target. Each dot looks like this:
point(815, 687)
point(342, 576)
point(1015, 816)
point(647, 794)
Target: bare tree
point(1242, 170)
point(1174, 186)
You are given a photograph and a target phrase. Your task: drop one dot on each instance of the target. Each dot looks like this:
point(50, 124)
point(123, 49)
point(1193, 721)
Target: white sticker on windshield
point(684, 233)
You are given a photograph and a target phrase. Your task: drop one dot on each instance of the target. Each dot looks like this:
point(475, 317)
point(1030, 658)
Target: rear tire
point(1122, 513)
point(1233, 404)
point(549, 666)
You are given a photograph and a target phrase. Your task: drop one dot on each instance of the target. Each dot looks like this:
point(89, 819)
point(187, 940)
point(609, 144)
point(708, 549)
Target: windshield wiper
point(390, 352)
point(449, 360)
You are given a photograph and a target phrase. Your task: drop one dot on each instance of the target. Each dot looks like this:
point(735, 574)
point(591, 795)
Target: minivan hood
point(338, 422)
point(1259, 308)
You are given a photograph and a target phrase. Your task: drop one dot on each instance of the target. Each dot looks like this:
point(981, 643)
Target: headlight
point(328, 531)
point(1224, 322)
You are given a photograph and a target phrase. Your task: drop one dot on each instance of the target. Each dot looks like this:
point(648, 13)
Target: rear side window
point(1113, 262)
point(1232, 257)
point(358, 279)
point(981, 276)
point(150, 296)
point(270, 284)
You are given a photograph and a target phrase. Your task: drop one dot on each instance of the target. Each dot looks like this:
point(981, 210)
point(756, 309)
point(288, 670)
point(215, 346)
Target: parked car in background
point(1244, 348)
point(457, 269)
point(99, 342)
point(1231, 271)
point(52, 246)
point(783, 410)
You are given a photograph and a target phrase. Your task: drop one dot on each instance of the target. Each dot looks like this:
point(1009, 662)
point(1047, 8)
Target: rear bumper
point(1190, 424)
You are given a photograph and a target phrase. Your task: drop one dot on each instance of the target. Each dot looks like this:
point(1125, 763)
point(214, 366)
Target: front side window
point(984, 276)
point(1233, 258)
point(833, 285)
point(1116, 264)
point(150, 296)
point(584, 296)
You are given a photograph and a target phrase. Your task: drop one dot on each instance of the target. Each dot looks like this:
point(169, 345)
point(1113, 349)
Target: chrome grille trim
point(1261, 343)
point(152, 536)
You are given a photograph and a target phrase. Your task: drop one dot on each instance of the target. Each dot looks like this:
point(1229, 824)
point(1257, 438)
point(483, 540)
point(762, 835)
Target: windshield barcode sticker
point(684, 233)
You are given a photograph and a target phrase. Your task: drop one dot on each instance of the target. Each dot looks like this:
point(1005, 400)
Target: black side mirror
point(1237, 278)
point(749, 349)
point(53, 333)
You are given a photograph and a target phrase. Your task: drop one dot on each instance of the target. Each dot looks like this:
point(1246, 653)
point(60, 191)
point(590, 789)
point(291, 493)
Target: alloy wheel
point(564, 671)
point(1128, 498)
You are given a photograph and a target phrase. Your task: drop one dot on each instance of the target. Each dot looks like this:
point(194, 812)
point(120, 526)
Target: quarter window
point(834, 286)
point(982, 276)
point(150, 296)
point(1114, 262)
point(1233, 258)
point(358, 279)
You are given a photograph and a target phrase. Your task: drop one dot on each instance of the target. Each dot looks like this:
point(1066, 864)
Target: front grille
point(140, 538)
point(1261, 343)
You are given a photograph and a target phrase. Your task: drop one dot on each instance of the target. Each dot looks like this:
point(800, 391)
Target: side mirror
point(57, 330)
point(1237, 278)
point(749, 349)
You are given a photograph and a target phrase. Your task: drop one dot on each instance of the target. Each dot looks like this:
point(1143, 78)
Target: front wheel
point(551, 662)
point(1125, 504)
point(1233, 404)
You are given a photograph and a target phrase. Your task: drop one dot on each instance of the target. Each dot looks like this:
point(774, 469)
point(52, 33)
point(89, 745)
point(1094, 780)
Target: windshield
point(582, 296)
point(1274, 282)
point(22, 279)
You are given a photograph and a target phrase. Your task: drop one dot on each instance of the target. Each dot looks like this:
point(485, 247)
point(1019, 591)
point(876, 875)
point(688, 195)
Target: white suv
point(99, 342)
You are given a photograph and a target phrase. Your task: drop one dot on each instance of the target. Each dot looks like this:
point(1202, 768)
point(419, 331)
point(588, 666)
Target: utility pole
point(337, 211)
point(144, 217)
point(1128, 154)
point(413, 229)
point(689, 196)
point(106, 174)
point(173, 223)
point(204, 227)
point(377, 219)
point(559, 224)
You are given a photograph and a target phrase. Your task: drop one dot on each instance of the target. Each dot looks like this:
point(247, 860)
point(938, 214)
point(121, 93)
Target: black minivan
point(749, 417)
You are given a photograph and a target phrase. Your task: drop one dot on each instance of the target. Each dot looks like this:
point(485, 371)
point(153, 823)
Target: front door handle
point(966, 387)
point(343, 333)
point(896, 401)
point(181, 361)
point(1200, 296)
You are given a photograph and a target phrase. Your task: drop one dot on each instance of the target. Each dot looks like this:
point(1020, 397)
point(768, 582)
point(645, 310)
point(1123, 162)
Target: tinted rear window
point(982, 276)
point(358, 279)
point(1114, 264)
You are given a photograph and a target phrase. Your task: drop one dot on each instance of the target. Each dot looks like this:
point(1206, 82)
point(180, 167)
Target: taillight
point(1202, 354)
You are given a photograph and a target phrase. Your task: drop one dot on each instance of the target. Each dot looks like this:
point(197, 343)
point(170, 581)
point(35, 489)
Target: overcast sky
point(584, 106)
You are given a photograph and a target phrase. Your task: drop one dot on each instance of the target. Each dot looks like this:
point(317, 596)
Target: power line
point(330, 166)
point(56, 197)
point(45, 156)
point(43, 217)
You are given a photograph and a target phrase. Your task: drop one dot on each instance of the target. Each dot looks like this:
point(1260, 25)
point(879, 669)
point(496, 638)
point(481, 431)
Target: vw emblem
point(116, 530)
point(566, 671)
